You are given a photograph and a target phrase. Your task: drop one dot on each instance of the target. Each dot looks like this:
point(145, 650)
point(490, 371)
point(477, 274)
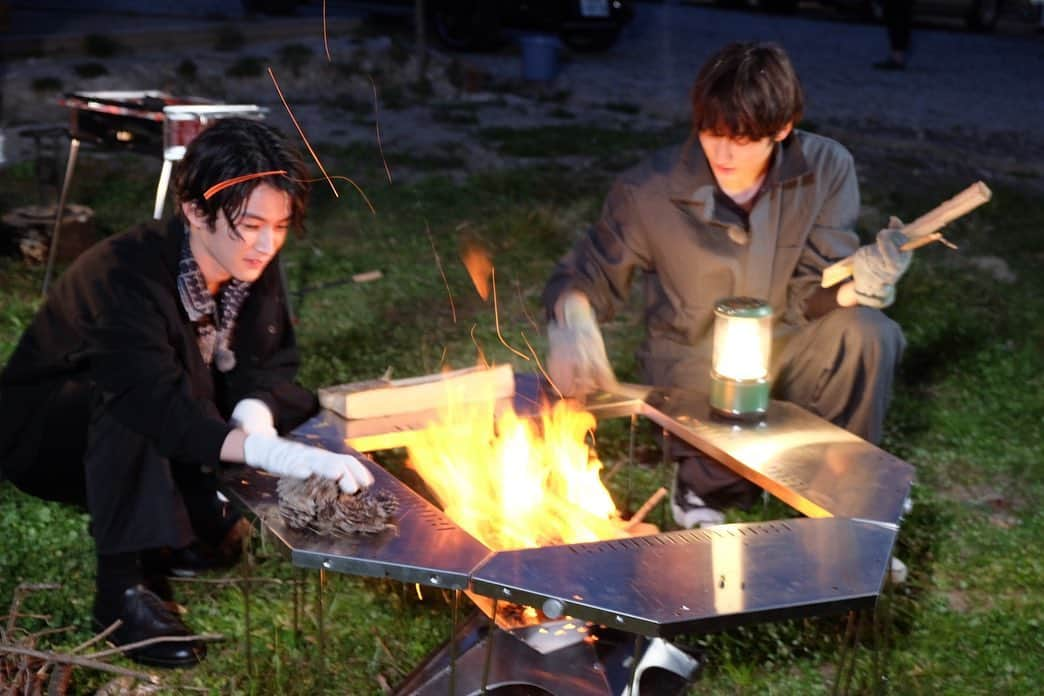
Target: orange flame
point(480, 267)
point(513, 483)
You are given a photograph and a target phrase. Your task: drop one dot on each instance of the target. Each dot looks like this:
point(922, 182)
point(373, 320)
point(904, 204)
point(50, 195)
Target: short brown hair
point(233, 147)
point(747, 90)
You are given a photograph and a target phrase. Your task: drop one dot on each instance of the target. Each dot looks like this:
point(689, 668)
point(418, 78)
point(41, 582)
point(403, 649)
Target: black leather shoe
point(145, 616)
point(202, 557)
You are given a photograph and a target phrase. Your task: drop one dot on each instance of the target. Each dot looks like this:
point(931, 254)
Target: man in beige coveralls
point(748, 205)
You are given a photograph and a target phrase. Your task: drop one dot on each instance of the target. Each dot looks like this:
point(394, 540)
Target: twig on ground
point(88, 662)
point(101, 636)
point(206, 637)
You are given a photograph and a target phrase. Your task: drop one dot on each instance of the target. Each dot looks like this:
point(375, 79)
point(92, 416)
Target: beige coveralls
point(667, 220)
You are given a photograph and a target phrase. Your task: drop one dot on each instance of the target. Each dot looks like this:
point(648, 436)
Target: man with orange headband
point(159, 354)
point(748, 206)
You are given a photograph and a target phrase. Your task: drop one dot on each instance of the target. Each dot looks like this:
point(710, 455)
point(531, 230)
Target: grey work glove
point(577, 362)
point(877, 267)
point(253, 417)
point(288, 458)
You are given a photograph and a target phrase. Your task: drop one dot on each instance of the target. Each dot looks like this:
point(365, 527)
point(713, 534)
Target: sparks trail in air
point(297, 125)
point(376, 111)
point(481, 353)
point(222, 185)
point(496, 315)
point(438, 263)
point(377, 125)
point(326, 43)
point(522, 304)
point(540, 367)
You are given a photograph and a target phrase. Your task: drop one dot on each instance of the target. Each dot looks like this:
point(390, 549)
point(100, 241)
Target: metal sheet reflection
point(812, 465)
point(427, 547)
point(705, 580)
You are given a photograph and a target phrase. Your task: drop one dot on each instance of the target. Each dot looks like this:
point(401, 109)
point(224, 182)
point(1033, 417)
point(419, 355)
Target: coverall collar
point(692, 184)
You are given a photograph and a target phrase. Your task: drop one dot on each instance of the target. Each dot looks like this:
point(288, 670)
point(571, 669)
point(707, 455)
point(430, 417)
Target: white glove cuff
point(254, 417)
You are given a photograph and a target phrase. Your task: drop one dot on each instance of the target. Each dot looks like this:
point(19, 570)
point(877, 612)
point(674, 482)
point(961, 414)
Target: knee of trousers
point(877, 337)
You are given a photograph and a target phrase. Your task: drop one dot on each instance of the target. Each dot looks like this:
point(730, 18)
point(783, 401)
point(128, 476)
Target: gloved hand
point(877, 267)
point(288, 458)
point(254, 417)
point(577, 362)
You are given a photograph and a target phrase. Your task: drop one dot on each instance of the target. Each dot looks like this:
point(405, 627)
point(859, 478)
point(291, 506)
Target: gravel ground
point(969, 103)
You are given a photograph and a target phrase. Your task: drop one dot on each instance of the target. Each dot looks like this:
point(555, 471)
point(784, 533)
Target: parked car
point(468, 25)
point(978, 15)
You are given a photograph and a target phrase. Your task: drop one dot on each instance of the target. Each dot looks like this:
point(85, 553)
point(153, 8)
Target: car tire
point(983, 15)
point(590, 41)
point(779, 6)
point(464, 25)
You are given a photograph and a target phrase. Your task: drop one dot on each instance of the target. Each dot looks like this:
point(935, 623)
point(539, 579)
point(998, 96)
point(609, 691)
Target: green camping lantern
point(740, 364)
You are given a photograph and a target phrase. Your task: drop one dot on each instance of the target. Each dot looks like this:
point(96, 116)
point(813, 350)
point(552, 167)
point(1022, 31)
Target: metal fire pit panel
point(706, 580)
point(810, 464)
point(427, 547)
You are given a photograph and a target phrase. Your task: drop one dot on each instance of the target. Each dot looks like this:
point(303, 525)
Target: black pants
point(137, 498)
point(840, 367)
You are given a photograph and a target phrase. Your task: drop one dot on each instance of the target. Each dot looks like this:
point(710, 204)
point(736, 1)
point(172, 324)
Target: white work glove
point(577, 363)
point(877, 267)
point(254, 417)
point(288, 458)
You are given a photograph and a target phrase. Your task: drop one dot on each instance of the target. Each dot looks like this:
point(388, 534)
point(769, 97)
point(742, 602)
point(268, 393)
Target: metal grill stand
point(141, 122)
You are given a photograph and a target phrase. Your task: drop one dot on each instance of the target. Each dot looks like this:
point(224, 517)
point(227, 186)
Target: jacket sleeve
point(143, 383)
point(832, 236)
point(602, 263)
point(267, 358)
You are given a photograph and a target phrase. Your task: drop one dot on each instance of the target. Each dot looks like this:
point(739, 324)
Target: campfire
point(516, 483)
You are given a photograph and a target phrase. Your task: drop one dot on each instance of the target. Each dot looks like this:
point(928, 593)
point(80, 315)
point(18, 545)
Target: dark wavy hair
point(747, 90)
point(234, 147)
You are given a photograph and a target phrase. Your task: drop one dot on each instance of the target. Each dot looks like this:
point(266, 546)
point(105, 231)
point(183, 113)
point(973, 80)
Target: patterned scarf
point(213, 329)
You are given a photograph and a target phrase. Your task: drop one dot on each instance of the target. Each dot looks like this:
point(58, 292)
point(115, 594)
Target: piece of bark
point(318, 504)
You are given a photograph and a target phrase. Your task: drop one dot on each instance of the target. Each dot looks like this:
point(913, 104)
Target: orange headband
point(220, 186)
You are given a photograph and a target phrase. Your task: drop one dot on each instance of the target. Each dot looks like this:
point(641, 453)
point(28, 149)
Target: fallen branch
point(62, 659)
point(101, 636)
point(207, 637)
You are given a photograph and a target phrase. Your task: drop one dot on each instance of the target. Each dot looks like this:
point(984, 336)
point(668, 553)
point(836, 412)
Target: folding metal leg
point(161, 189)
point(59, 213)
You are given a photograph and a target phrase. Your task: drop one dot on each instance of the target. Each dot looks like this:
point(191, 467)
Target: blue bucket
point(539, 57)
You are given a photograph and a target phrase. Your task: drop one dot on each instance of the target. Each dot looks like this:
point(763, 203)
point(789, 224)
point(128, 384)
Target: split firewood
point(384, 397)
point(318, 504)
point(645, 509)
point(924, 229)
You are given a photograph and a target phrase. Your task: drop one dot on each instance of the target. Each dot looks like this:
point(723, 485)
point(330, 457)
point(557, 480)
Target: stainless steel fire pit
point(831, 561)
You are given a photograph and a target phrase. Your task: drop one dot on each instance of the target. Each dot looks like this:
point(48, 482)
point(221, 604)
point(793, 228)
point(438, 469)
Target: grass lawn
point(967, 415)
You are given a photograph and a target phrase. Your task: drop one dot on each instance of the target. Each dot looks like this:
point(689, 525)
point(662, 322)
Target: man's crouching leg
point(135, 508)
point(842, 367)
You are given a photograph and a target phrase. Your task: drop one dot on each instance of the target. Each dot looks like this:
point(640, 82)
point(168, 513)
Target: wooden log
point(924, 229)
point(644, 510)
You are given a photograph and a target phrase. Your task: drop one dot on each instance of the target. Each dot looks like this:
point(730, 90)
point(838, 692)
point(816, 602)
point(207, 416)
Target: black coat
point(115, 321)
